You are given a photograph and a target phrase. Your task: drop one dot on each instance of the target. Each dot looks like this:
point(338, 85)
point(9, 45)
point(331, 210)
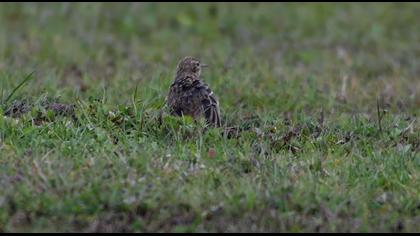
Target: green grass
point(305, 83)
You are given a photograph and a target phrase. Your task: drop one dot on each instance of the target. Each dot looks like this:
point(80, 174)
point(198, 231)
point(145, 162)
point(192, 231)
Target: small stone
point(211, 153)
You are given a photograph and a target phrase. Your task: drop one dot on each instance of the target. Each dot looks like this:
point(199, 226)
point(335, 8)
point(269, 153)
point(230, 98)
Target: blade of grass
point(27, 78)
point(379, 115)
point(2, 93)
point(134, 100)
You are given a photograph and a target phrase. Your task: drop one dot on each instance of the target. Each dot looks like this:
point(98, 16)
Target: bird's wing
point(172, 100)
point(209, 104)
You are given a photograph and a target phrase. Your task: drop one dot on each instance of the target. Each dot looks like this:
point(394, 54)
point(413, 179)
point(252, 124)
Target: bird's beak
point(204, 65)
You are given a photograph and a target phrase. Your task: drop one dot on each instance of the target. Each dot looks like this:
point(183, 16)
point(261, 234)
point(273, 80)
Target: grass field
point(324, 99)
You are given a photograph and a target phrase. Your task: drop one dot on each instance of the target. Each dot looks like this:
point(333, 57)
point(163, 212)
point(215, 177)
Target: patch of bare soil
point(18, 108)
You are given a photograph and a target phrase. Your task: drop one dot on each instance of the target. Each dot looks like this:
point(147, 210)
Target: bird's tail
point(213, 115)
point(211, 108)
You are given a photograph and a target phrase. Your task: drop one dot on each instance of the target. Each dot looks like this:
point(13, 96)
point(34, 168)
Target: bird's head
point(190, 65)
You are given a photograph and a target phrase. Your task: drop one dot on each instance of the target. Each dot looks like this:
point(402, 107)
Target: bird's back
point(191, 96)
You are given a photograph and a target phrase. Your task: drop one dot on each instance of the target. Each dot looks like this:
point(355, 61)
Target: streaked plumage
point(189, 95)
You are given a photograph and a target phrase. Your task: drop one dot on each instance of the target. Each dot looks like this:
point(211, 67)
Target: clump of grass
point(15, 89)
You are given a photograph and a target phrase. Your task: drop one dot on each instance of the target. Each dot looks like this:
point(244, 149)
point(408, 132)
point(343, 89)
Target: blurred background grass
point(271, 53)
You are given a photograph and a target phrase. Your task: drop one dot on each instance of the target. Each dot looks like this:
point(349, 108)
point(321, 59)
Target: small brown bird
point(189, 95)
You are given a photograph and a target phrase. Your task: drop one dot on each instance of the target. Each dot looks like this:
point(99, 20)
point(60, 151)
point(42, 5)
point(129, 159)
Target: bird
point(189, 95)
